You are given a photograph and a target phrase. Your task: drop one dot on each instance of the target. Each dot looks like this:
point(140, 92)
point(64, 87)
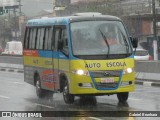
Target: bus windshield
point(103, 38)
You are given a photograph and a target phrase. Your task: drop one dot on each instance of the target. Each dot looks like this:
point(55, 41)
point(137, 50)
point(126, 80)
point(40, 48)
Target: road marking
point(147, 83)
point(4, 97)
point(94, 118)
point(107, 104)
point(134, 99)
point(45, 106)
point(18, 83)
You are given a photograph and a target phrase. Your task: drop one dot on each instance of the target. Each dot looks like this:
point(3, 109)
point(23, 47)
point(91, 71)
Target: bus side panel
point(28, 74)
point(40, 63)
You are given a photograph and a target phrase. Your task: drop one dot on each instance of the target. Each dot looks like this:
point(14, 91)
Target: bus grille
point(108, 73)
point(106, 85)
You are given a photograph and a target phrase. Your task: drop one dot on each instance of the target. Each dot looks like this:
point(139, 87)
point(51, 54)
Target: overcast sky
point(32, 7)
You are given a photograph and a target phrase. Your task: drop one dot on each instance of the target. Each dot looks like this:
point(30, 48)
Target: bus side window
point(41, 41)
point(64, 41)
point(38, 38)
point(26, 41)
point(30, 38)
point(34, 38)
point(57, 36)
point(61, 39)
point(46, 39)
point(50, 33)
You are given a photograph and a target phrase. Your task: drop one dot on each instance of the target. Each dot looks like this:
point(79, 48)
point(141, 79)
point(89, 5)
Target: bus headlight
point(128, 70)
point(80, 72)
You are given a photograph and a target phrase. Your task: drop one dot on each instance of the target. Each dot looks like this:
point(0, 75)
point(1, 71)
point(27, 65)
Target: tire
point(41, 93)
point(88, 100)
point(122, 97)
point(68, 98)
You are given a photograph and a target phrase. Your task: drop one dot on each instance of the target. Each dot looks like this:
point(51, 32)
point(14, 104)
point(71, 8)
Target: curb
point(11, 67)
point(148, 83)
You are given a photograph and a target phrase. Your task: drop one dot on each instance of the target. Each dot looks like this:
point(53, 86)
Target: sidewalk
point(148, 73)
point(148, 79)
point(11, 67)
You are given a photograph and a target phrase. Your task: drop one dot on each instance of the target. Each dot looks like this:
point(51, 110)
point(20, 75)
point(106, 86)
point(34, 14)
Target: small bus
point(82, 55)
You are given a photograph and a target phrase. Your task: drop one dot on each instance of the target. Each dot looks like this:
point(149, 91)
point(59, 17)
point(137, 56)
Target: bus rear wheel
point(68, 98)
point(41, 93)
point(122, 97)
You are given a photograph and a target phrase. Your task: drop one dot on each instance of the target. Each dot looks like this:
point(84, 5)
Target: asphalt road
point(16, 95)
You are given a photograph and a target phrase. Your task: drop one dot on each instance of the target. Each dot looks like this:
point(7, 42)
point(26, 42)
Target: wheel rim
point(38, 87)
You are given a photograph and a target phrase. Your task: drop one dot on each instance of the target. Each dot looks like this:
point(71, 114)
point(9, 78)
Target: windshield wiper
point(106, 41)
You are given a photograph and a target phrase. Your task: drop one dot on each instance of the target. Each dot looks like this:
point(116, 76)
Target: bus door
point(61, 63)
point(45, 37)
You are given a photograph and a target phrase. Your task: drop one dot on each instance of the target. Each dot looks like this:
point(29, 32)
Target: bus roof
point(68, 19)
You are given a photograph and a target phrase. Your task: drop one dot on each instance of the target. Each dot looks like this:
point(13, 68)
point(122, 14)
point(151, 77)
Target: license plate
point(107, 80)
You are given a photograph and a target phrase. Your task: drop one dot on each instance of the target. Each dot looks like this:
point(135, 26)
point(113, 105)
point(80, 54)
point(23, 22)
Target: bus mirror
point(134, 42)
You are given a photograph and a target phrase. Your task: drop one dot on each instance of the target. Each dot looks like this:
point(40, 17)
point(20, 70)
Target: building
point(136, 14)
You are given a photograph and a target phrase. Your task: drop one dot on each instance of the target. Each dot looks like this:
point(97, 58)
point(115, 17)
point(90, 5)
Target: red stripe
point(30, 53)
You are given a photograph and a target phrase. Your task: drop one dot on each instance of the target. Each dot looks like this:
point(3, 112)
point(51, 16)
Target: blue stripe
point(48, 21)
point(60, 55)
point(51, 54)
point(45, 54)
point(132, 56)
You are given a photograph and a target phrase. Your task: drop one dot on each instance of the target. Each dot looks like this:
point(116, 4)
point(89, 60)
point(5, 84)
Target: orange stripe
point(49, 85)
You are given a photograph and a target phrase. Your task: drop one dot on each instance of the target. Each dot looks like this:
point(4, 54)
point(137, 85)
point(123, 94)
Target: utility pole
point(54, 5)
point(15, 19)
point(19, 18)
point(20, 10)
point(155, 50)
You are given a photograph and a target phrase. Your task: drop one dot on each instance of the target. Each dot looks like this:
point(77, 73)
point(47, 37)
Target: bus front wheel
point(68, 98)
point(122, 97)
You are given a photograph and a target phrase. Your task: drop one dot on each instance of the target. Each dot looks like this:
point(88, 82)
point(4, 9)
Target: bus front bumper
point(80, 85)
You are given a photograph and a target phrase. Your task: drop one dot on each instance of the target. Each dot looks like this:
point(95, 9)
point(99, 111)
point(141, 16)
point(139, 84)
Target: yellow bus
point(83, 55)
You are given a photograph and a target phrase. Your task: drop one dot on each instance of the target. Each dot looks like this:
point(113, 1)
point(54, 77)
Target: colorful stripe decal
point(44, 54)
